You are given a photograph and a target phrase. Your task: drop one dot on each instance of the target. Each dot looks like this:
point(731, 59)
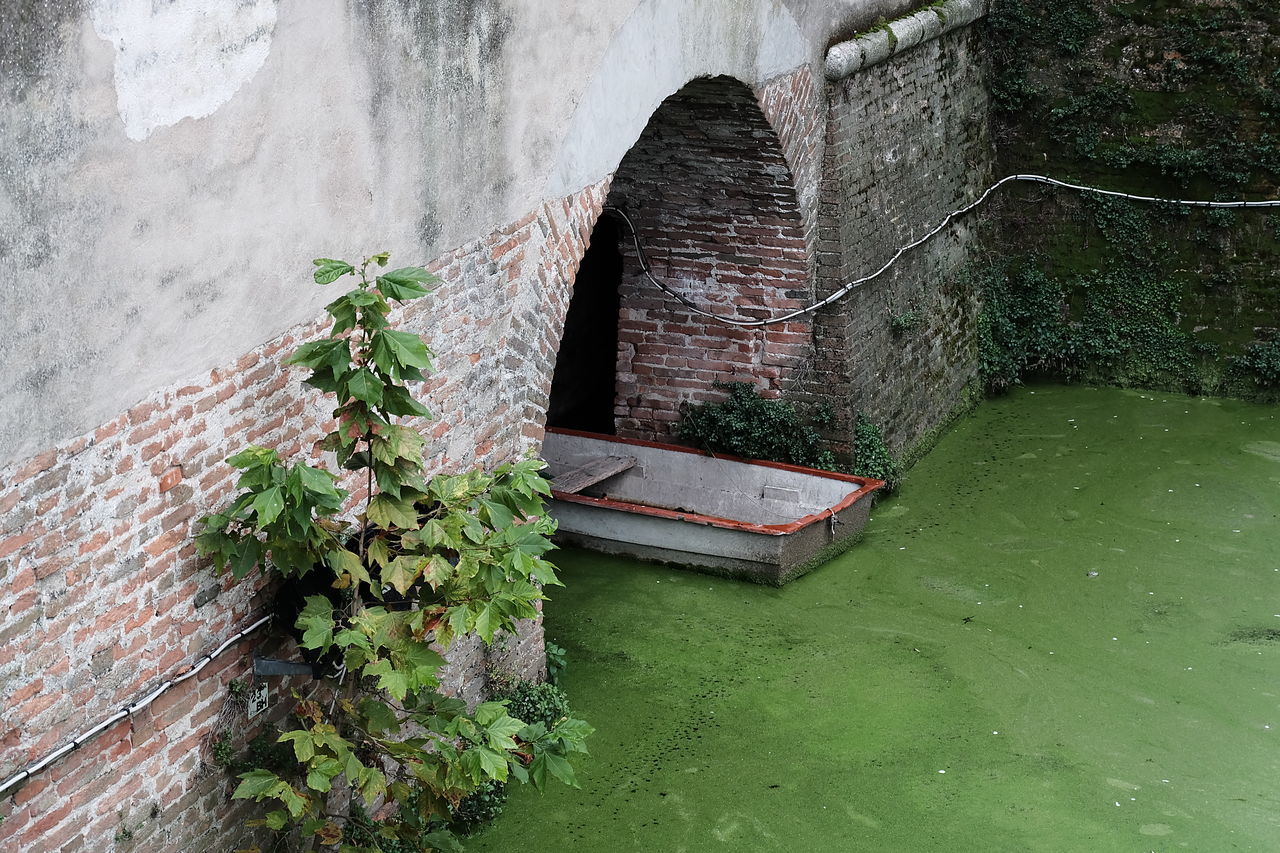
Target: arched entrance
point(712, 199)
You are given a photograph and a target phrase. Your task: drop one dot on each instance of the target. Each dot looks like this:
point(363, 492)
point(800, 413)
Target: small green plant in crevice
point(745, 424)
point(501, 680)
point(871, 456)
point(907, 321)
point(223, 749)
point(239, 690)
point(124, 833)
point(556, 662)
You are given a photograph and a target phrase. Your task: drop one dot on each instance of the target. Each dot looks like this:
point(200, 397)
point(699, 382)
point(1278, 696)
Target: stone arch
point(712, 196)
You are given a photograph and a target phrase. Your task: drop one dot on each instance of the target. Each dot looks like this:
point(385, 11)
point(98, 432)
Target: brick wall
point(103, 596)
point(907, 143)
point(710, 190)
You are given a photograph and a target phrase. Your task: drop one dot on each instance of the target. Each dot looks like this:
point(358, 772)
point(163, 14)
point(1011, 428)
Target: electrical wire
point(128, 710)
point(844, 291)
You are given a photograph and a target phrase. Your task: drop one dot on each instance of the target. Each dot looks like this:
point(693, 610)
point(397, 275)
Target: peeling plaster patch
point(183, 58)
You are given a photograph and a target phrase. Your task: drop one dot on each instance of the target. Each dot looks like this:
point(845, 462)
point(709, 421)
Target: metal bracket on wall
point(275, 666)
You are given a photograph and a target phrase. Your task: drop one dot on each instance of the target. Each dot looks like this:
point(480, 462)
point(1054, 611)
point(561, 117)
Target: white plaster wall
point(168, 169)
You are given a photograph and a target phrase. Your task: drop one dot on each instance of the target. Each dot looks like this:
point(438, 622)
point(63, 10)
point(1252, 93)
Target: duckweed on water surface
point(1063, 635)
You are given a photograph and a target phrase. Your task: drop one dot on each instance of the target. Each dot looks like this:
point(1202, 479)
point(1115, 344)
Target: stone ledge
point(901, 35)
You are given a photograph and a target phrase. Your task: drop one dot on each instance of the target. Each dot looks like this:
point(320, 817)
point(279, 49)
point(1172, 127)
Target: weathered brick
point(170, 478)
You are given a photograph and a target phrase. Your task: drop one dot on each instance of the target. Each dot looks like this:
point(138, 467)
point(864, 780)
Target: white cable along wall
point(950, 217)
point(128, 710)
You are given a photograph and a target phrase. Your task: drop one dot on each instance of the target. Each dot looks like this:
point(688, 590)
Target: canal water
point(1062, 635)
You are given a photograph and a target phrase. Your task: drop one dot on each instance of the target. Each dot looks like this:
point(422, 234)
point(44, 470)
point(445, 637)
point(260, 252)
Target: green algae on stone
point(1056, 638)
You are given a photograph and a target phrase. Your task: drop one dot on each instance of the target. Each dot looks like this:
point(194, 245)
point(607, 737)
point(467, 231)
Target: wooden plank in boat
point(600, 468)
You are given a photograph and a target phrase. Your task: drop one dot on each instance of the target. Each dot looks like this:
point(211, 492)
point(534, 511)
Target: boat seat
point(598, 469)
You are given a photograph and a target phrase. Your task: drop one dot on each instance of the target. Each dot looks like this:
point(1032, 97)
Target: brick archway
point(712, 197)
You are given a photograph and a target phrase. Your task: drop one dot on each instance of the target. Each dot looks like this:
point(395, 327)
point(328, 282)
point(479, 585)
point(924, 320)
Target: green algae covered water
point(1063, 635)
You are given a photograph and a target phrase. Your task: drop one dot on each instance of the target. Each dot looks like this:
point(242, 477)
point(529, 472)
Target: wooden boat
point(760, 521)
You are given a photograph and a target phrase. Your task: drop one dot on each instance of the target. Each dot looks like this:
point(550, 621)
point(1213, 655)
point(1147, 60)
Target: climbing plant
point(1168, 98)
point(1115, 327)
point(418, 561)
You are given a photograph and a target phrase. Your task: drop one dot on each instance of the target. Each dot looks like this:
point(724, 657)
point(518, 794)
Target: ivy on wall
point(1173, 98)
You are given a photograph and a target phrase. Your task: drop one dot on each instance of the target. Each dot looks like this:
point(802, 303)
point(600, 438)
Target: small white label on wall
point(259, 698)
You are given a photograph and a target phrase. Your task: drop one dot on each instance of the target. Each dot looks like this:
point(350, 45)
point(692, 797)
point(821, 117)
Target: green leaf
point(304, 743)
point(316, 622)
point(420, 660)
point(343, 560)
point(560, 768)
point(364, 385)
point(389, 513)
point(406, 348)
point(320, 776)
point(379, 553)
point(344, 315)
point(318, 354)
point(318, 782)
point(538, 771)
point(276, 819)
point(493, 764)
point(389, 679)
point(405, 283)
point(253, 456)
point(397, 442)
point(293, 801)
point(257, 785)
point(398, 401)
point(267, 506)
point(487, 713)
point(328, 270)
point(488, 621)
point(402, 572)
point(362, 298)
point(372, 784)
point(575, 731)
point(318, 481)
point(437, 571)
point(244, 557)
point(499, 515)
point(379, 716)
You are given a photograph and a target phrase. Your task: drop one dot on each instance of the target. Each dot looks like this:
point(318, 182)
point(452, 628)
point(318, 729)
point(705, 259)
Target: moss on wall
point(1171, 98)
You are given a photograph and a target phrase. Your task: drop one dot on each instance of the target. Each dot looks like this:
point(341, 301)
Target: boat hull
point(754, 520)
